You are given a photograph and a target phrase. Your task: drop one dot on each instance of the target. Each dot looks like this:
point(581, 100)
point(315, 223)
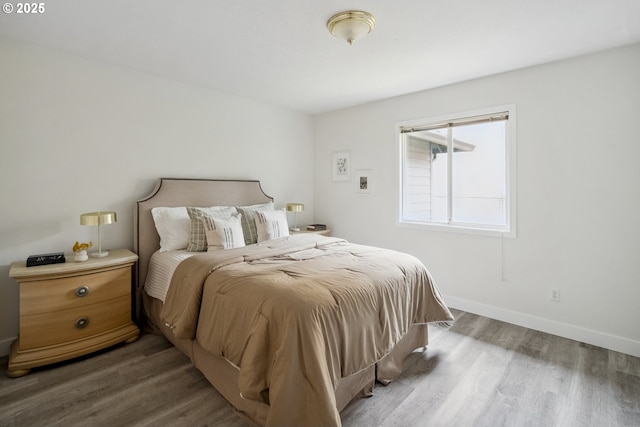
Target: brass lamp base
point(99, 254)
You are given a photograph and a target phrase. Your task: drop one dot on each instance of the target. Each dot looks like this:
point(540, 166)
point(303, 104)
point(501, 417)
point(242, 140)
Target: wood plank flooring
point(481, 372)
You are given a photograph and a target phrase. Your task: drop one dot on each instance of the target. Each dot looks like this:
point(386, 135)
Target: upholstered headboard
point(173, 192)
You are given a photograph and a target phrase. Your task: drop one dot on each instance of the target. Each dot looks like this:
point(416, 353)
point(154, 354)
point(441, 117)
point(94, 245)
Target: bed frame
point(174, 192)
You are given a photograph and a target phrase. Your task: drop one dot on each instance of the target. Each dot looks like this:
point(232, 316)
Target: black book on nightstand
point(45, 259)
point(316, 227)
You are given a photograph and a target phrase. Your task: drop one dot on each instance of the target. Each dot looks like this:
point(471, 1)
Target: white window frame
point(509, 230)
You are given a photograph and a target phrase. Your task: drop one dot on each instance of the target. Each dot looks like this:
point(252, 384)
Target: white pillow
point(173, 225)
point(223, 233)
point(271, 225)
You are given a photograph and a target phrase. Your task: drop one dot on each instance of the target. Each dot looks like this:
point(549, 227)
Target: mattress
point(161, 268)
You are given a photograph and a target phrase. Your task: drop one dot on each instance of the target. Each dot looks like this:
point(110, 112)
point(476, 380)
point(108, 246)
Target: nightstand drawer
point(45, 329)
point(72, 292)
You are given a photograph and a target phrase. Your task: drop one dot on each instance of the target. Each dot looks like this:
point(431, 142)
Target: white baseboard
point(5, 345)
point(565, 330)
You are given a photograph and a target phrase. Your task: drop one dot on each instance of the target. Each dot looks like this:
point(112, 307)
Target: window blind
point(457, 122)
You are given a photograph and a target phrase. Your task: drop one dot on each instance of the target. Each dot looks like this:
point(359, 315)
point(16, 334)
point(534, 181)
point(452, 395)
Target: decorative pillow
point(271, 225)
point(223, 233)
point(173, 225)
point(197, 236)
point(249, 222)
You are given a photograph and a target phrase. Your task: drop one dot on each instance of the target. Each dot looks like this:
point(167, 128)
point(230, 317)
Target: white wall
point(578, 197)
point(78, 136)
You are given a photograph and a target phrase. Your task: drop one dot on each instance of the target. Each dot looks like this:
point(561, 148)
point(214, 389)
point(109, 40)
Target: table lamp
point(295, 208)
point(98, 218)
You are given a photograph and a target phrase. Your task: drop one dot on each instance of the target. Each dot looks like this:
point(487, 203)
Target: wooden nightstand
point(326, 232)
point(71, 309)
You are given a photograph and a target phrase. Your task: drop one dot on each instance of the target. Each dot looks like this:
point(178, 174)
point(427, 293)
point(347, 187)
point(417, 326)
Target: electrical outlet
point(554, 295)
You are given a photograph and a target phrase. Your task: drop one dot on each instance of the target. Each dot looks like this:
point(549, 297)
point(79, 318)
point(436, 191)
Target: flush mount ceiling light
point(351, 25)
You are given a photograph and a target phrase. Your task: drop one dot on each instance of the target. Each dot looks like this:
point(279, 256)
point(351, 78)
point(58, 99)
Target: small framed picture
point(363, 181)
point(341, 165)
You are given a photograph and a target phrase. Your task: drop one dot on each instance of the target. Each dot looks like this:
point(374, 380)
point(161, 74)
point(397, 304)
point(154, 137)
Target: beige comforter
point(297, 314)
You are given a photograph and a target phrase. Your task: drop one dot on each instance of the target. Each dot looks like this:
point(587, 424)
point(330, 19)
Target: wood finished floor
point(481, 372)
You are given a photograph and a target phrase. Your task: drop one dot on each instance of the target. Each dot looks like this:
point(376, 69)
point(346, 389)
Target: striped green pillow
point(249, 223)
point(197, 234)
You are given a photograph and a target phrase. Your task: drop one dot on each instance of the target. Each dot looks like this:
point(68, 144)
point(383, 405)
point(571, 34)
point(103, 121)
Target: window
point(457, 172)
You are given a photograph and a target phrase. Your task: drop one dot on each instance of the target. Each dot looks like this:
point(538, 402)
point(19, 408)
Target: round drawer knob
point(82, 322)
point(82, 291)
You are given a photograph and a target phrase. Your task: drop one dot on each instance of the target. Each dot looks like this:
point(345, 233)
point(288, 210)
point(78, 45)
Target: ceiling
point(280, 52)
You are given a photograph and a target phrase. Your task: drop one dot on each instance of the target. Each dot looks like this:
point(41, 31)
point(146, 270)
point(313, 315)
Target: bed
point(289, 330)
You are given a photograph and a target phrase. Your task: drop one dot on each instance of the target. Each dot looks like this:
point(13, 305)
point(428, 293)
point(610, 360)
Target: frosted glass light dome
point(351, 25)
